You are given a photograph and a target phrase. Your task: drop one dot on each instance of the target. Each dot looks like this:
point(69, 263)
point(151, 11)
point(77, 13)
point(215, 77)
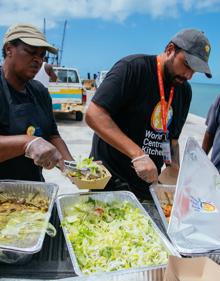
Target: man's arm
point(101, 122)
point(175, 153)
point(207, 142)
point(170, 173)
point(50, 72)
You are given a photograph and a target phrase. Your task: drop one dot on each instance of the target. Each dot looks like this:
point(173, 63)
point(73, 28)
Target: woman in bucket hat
point(29, 138)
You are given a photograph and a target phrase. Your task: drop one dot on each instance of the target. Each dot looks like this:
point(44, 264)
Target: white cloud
point(17, 11)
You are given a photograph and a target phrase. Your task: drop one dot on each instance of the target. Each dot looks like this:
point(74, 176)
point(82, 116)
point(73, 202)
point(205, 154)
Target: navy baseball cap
point(196, 47)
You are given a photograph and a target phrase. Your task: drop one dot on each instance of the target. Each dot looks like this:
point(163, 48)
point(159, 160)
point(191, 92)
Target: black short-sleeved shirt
point(130, 93)
point(213, 127)
point(21, 167)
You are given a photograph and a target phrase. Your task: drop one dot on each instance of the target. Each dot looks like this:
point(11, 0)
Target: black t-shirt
point(21, 167)
point(130, 93)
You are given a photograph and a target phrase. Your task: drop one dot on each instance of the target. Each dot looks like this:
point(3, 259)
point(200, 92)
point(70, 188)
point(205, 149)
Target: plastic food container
point(99, 183)
point(20, 251)
point(65, 201)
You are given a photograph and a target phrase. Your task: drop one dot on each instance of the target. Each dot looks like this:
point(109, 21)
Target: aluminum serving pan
point(65, 201)
point(163, 196)
point(157, 192)
point(20, 253)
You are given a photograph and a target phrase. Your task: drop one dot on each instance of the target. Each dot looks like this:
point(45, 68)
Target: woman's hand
point(44, 154)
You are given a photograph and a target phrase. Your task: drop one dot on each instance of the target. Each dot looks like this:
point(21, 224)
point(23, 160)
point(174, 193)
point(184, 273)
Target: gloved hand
point(145, 168)
point(169, 174)
point(44, 154)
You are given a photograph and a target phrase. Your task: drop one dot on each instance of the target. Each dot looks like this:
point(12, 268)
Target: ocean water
point(203, 95)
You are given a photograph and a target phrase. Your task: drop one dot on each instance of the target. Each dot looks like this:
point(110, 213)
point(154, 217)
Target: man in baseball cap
point(196, 48)
point(29, 35)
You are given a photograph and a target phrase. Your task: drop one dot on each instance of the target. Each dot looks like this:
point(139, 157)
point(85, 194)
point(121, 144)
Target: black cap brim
point(197, 64)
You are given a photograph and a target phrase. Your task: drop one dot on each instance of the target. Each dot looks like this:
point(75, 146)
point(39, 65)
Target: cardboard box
point(92, 184)
point(192, 269)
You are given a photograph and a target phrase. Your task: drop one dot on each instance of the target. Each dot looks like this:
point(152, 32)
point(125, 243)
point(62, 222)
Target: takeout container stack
point(194, 227)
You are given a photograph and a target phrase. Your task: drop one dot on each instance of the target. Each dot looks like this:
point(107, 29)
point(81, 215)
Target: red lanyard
point(164, 108)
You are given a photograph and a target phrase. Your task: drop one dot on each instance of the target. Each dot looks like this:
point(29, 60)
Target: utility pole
point(47, 57)
point(44, 27)
point(62, 43)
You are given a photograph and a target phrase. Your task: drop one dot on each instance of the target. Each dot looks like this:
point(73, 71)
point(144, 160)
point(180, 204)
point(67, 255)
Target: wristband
point(139, 157)
point(29, 144)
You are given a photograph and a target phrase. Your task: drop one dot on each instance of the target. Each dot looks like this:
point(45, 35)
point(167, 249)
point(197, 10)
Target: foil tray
point(63, 201)
point(18, 254)
point(157, 192)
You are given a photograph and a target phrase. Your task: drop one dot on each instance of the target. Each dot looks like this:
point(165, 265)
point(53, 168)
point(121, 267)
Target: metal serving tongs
point(71, 165)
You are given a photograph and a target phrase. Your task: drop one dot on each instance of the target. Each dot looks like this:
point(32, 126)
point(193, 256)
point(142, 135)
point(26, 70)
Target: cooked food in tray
point(21, 219)
point(112, 236)
point(30, 202)
point(167, 204)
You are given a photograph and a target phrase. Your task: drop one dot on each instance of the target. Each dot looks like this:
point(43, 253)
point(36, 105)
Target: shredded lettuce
point(112, 236)
point(94, 170)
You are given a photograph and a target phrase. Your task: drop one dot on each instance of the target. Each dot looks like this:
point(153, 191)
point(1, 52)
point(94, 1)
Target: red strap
point(164, 108)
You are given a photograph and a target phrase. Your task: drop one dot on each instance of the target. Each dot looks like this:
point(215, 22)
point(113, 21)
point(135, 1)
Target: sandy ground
point(78, 137)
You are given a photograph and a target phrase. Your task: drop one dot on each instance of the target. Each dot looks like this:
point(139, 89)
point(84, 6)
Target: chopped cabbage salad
point(112, 236)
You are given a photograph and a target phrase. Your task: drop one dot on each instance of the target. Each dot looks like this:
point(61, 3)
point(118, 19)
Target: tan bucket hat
point(30, 35)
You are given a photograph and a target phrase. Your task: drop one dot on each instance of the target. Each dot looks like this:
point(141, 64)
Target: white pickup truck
point(68, 95)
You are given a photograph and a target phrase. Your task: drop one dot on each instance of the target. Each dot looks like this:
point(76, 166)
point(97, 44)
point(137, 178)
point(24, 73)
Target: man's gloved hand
point(145, 168)
point(169, 175)
point(44, 154)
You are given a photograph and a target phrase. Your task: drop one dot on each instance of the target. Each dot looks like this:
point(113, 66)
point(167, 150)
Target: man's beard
point(169, 76)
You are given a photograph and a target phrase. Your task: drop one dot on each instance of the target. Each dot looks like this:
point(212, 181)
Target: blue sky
point(99, 32)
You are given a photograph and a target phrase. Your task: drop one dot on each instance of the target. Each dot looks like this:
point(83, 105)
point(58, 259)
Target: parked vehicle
point(100, 77)
point(68, 95)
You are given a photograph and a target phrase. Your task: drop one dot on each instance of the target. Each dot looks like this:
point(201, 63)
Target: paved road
point(78, 138)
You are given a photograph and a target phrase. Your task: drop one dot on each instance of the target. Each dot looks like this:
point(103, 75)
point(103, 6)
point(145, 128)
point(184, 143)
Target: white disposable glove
point(145, 168)
point(44, 154)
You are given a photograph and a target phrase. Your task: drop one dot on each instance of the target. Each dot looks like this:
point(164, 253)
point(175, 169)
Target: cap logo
point(207, 48)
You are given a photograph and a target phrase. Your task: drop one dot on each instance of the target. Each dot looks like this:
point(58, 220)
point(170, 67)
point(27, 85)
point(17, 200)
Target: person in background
point(46, 74)
point(29, 138)
point(139, 110)
point(211, 137)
